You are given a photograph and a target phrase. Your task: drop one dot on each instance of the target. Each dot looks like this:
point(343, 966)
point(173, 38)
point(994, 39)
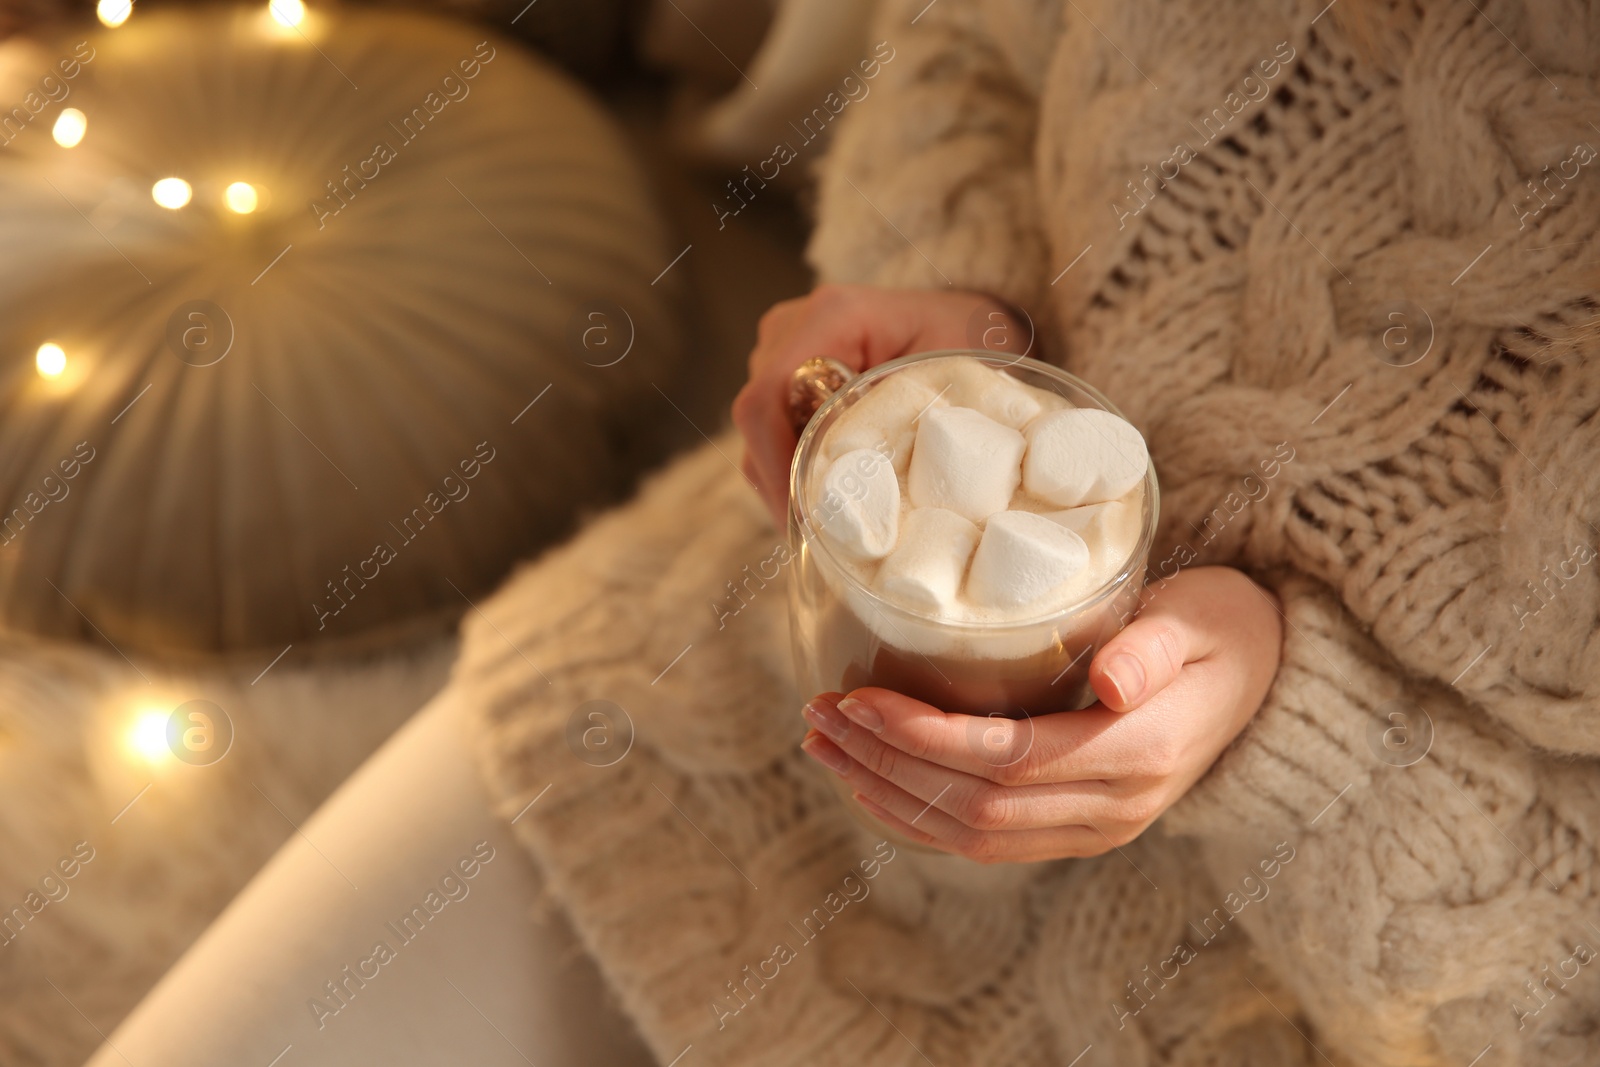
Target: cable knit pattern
point(1354, 318)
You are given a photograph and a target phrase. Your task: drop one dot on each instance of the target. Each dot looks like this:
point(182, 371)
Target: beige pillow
point(313, 420)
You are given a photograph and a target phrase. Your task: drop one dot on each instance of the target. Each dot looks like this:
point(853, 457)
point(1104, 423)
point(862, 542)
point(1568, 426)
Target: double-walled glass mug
point(846, 636)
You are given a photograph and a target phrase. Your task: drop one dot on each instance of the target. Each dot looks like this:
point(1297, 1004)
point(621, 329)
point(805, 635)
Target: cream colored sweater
point(1340, 270)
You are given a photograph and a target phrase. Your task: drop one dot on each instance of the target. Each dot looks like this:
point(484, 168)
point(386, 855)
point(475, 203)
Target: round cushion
point(349, 409)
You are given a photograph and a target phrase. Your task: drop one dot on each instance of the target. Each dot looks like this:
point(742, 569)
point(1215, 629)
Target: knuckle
point(830, 294)
point(772, 319)
point(1138, 810)
point(980, 847)
point(917, 743)
point(771, 330)
point(881, 759)
point(869, 787)
point(1025, 771)
point(1161, 758)
point(988, 809)
point(935, 738)
point(1167, 647)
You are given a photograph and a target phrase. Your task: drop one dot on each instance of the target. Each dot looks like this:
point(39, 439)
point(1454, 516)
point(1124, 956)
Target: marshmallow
point(1100, 525)
point(859, 506)
point(974, 384)
point(965, 461)
point(924, 571)
point(884, 419)
point(1082, 456)
point(895, 446)
point(1022, 559)
point(1110, 529)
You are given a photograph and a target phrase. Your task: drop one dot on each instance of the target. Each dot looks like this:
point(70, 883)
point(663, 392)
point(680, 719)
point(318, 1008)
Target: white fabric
point(485, 982)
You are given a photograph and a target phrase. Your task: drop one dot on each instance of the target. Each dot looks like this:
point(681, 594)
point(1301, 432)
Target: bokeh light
point(287, 12)
point(171, 193)
point(147, 735)
point(50, 360)
point(70, 127)
point(114, 12)
point(241, 197)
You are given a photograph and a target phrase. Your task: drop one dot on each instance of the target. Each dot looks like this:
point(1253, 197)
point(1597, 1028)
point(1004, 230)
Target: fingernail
point(1126, 675)
point(862, 714)
point(826, 754)
point(873, 806)
point(828, 721)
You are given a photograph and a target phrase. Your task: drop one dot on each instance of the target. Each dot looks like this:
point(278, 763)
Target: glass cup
point(845, 636)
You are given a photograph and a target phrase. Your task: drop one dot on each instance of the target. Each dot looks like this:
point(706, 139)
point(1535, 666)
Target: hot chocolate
point(969, 530)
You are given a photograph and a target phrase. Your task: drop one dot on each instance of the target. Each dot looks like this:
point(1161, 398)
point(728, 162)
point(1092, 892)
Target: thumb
point(1178, 626)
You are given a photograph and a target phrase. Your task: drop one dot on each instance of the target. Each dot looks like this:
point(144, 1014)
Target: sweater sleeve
point(1341, 714)
point(930, 181)
point(1310, 739)
point(1436, 851)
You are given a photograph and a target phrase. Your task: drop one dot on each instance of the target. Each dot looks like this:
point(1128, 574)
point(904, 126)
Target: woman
point(1340, 802)
point(1337, 264)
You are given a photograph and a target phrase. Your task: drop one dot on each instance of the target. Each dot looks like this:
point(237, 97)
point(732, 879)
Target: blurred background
point(315, 320)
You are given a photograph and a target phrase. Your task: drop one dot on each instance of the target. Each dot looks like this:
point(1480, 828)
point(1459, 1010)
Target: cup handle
point(810, 386)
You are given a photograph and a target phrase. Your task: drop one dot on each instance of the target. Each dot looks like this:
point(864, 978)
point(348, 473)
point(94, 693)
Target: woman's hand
point(1176, 686)
point(860, 326)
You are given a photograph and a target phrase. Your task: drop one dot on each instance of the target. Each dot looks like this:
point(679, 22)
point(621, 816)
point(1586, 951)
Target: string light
point(50, 360)
point(171, 193)
point(241, 197)
point(147, 736)
point(70, 127)
point(114, 13)
point(287, 13)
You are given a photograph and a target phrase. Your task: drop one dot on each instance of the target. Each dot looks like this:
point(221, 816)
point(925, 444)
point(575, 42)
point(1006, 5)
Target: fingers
point(860, 326)
point(1001, 789)
point(768, 444)
point(975, 801)
point(1188, 618)
point(774, 324)
point(752, 474)
point(764, 440)
point(929, 823)
point(1072, 746)
point(1141, 660)
point(822, 324)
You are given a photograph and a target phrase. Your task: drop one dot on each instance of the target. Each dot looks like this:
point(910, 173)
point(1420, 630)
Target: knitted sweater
point(1338, 268)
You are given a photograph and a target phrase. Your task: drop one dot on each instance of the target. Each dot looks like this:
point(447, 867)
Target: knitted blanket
point(1339, 268)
